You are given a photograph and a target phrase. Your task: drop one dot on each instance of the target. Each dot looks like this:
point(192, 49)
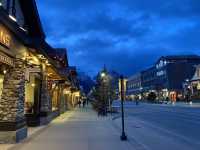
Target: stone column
point(12, 120)
point(46, 104)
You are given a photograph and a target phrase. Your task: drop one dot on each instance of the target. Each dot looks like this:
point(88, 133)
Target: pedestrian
point(87, 101)
point(136, 102)
point(84, 102)
point(79, 103)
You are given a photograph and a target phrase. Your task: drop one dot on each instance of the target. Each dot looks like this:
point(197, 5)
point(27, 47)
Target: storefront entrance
point(32, 99)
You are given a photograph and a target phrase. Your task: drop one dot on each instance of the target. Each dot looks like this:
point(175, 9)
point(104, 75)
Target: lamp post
point(123, 136)
point(103, 79)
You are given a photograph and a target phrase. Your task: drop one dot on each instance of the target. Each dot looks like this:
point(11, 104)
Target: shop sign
point(5, 38)
point(7, 60)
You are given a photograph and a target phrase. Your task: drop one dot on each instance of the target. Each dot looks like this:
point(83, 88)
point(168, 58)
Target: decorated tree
point(104, 92)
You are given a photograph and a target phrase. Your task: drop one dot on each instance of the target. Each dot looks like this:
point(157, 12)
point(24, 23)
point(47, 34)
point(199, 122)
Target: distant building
point(134, 86)
point(166, 77)
point(193, 84)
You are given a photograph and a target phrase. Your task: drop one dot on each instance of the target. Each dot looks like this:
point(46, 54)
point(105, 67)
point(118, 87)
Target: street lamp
point(123, 136)
point(141, 92)
point(103, 74)
point(103, 79)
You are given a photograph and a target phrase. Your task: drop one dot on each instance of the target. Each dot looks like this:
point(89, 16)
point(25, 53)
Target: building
point(32, 83)
point(192, 86)
point(134, 87)
point(148, 79)
point(171, 72)
point(166, 77)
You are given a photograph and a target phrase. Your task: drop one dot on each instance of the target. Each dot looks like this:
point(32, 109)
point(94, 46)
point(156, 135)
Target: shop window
point(55, 98)
point(32, 94)
point(29, 95)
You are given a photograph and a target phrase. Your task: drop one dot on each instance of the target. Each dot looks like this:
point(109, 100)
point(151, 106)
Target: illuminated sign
point(5, 38)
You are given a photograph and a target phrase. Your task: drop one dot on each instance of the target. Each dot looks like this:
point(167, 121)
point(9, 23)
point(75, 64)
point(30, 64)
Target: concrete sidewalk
point(78, 129)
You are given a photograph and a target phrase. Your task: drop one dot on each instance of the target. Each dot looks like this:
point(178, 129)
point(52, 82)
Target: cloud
point(121, 33)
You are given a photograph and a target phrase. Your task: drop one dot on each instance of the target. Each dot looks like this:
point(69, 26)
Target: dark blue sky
point(126, 35)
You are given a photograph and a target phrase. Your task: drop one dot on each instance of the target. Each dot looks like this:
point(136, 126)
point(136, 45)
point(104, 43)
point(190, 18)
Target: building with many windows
point(166, 77)
point(134, 86)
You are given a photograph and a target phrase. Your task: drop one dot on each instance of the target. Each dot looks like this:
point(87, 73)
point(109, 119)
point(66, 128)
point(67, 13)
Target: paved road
point(164, 126)
point(79, 130)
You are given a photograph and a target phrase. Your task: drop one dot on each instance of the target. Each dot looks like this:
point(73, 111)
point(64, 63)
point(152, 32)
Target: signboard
point(5, 38)
point(6, 60)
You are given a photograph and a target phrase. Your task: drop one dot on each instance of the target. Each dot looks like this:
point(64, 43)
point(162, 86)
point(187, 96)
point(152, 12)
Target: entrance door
point(37, 96)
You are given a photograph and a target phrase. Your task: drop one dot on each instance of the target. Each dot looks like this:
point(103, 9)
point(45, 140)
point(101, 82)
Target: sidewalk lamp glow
point(5, 71)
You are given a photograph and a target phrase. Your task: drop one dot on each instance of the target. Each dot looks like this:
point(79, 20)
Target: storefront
point(33, 95)
point(12, 83)
point(31, 87)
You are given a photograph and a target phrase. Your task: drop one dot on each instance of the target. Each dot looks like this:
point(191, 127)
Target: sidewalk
point(78, 129)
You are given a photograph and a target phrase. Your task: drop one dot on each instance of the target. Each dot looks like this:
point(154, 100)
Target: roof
point(32, 19)
point(13, 26)
point(179, 57)
point(137, 75)
point(59, 55)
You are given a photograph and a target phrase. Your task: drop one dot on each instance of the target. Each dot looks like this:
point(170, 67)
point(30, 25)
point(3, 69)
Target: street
point(163, 126)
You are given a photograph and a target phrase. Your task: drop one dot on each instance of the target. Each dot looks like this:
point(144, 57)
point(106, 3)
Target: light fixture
point(0, 4)
point(47, 63)
point(41, 56)
point(4, 72)
point(23, 29)
point(66, 91)
point(49, 74)
point(33, 85)
point(103, 74)
point(13, 18)
point(35, 59)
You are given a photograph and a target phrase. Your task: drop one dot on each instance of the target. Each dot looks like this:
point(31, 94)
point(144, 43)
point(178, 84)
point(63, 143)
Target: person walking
point(79, 103)
point(84, 102)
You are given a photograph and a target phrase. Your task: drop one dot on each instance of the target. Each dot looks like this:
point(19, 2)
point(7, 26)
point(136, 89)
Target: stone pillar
point(12, 120)
point(46, 106)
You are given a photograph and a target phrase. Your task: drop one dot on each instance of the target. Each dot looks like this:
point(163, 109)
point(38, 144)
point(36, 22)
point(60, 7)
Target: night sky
point(126, 35)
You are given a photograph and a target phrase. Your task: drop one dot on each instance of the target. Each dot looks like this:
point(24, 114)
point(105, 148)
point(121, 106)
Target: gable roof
point(59, 55)
point(31, 17)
